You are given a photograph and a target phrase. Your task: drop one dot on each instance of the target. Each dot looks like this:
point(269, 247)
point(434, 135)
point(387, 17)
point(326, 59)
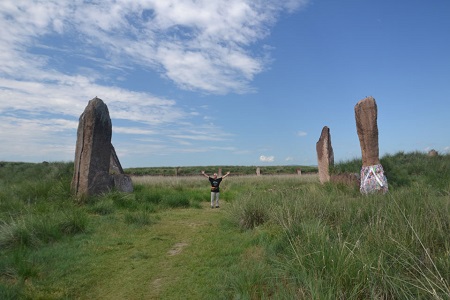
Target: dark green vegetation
point(274, 237)
point(236, 170)
point(408, 169)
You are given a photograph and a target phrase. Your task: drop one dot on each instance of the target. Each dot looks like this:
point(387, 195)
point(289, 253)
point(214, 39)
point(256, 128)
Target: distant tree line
point(235, 170)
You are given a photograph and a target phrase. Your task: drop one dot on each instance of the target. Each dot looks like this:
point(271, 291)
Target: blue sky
point(197, 83)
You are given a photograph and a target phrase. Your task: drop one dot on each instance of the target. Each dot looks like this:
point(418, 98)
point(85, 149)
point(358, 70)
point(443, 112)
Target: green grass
point(274, 237)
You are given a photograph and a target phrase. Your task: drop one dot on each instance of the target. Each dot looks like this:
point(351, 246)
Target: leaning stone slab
point(93, 151)
point(325, 155)
point(123, 183)
point(372, 173)
point(114, 164)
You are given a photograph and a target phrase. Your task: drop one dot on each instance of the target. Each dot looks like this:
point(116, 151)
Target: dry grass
point(194, 180)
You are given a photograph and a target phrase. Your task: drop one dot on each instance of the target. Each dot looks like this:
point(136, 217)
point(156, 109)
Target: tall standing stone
point(433, 153)
point(325, 155)
point(93, 151)
point(372, 173)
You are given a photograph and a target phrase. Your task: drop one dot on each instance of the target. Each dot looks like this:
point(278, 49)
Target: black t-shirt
point(215, 184)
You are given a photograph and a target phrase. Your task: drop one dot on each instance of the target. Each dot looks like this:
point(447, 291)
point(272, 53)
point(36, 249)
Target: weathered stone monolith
point(93, 151)
point(372, 173)
point(325, 155)
point(433, 153)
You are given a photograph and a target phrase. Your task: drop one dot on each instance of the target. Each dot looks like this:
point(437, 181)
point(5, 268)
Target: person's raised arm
point(228, 173)
point(204, 174)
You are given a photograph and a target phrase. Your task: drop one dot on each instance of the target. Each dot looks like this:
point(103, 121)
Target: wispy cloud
point(56, 55)
point(199, 45)
point(23, 138)
point(301, 133)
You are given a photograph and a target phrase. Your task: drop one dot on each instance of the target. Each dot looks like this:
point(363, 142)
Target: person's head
point(215, 175)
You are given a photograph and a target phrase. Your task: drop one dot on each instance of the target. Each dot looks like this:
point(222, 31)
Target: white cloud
point(264, 158)
point(133, 130)
point(200, 45)
point(56, 55)
point(24, 138)
point(292, 5)
point(69, 96)
point(302, 133)
point(196, 137)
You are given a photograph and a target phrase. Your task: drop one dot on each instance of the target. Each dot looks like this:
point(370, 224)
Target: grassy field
point(273, 237)
point(236, 170)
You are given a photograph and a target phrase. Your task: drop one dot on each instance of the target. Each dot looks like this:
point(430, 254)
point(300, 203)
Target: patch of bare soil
point(177, 248)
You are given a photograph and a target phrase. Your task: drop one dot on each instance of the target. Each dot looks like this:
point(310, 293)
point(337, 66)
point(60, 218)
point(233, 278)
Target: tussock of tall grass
point(36, 206)
point(257, 197)
point(337, 243)
point(35, 230)
point(140, 218)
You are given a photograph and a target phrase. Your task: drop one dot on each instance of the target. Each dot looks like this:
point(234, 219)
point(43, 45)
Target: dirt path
point(190, 233)
point(185, 255)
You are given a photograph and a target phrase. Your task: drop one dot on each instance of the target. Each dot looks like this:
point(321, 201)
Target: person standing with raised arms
point(215, 190)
